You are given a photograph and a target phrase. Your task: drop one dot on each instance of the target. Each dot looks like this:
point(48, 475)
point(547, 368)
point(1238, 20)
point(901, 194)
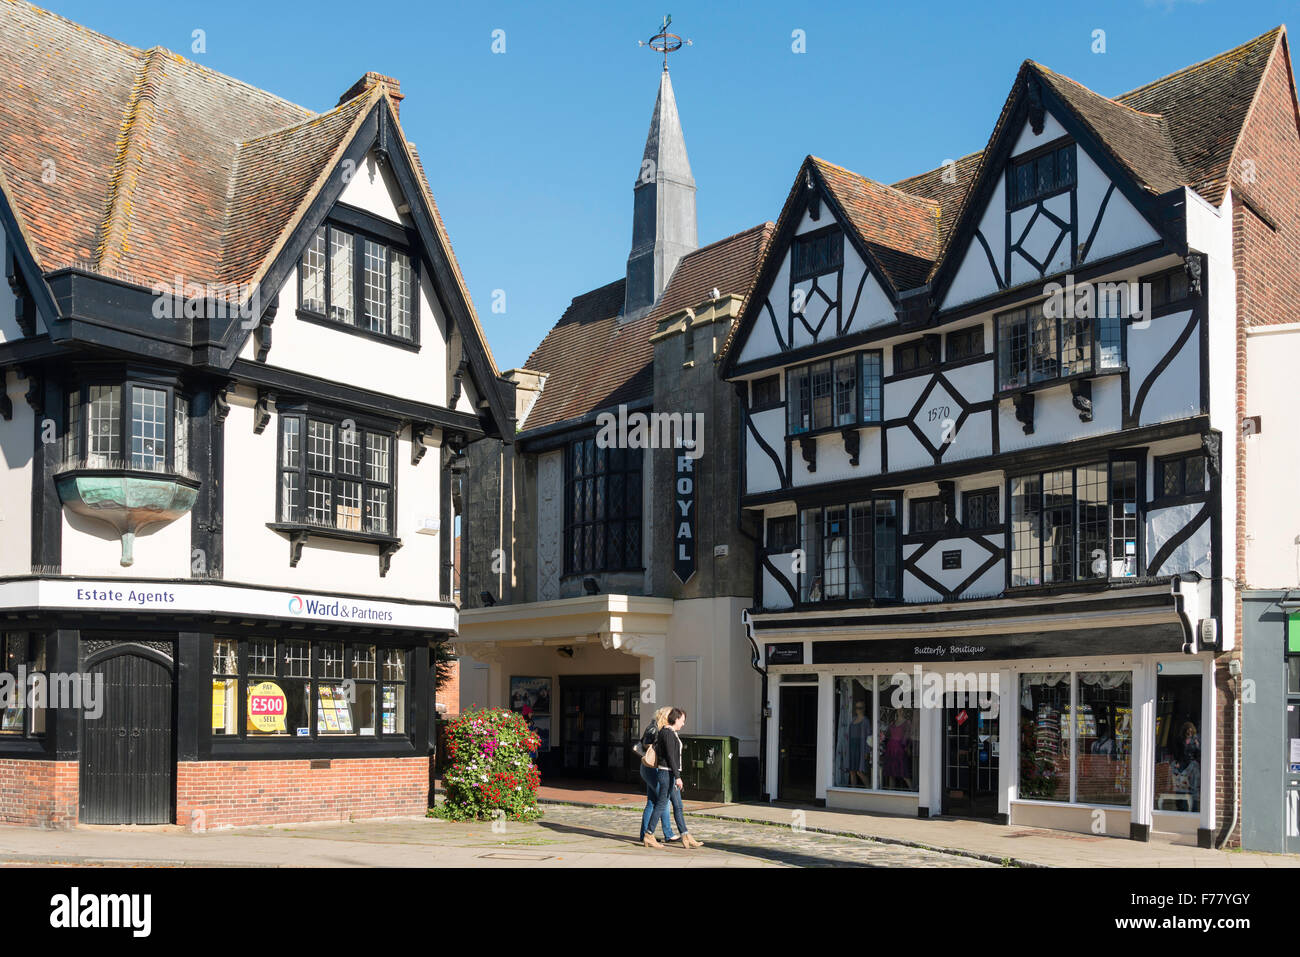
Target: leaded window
point(1041, 175)
point(335, 475)
point(602, 527)
point(360, 282)
point(851, 551)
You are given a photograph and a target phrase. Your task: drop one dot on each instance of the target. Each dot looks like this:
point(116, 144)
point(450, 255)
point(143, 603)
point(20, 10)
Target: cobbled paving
point(782, 846)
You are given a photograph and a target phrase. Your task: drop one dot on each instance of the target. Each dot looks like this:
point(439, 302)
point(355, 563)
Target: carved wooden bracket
point(264, 330)
point(221, 402)
point(1193, 265)
point(808, 448)
point(458, 384)
point(24, 305)
point(386, 556)
point(262, 413)
point(1024, 403)
point(814, 198)
point(1081, 395)
point(297, 540)
point(1037, 111)
point(852, 443)
point(35, 391)
point(420, 434)
point(1212, 443)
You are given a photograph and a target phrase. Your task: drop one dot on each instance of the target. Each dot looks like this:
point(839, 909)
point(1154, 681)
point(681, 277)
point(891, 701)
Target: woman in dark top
point(669, 748)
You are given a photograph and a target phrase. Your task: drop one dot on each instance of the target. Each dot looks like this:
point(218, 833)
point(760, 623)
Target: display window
point(294, 688)
point(1077, 752)
point(1178, 743)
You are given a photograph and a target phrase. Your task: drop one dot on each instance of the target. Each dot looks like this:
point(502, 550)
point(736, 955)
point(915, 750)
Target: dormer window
point(815, 254)
point(358, 282)
point(1041, 174)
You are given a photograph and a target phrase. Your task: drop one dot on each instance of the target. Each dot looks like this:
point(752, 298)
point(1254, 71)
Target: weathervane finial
point(665, 42)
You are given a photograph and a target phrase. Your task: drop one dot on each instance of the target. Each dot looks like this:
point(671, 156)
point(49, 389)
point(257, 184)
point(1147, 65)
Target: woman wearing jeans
point(669, 771)
point(651, 778)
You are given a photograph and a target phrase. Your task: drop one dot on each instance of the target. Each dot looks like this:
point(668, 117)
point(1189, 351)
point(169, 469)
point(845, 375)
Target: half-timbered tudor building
point(604, 565)
point(240, 368)
point(991, 428)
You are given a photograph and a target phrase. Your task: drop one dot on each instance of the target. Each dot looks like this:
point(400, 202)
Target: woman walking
point(669, 752)
point(650, 777)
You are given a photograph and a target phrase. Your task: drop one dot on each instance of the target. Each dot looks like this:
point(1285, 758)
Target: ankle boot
point(688, 841)
point(649, 841)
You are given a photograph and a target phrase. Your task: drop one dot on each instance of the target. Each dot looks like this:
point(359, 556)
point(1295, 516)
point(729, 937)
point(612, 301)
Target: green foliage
point(489, 767)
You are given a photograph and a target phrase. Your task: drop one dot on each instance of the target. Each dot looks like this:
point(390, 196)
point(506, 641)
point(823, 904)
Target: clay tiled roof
point(595, 361)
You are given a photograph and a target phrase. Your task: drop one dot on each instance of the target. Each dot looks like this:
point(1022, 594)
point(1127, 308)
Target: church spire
point(663, 218)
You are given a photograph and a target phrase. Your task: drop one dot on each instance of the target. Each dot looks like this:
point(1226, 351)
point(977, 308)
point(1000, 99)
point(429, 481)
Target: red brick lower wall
point(41, 793)
point(232, 793)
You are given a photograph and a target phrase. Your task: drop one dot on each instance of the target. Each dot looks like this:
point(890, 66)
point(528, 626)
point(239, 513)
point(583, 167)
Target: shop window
point(225, 687)
point(851, 551)
point(1045, 736)
point(1097, 744)
point(23, 672)
point(1178, 743)
point(349, 689)
point(602, 527)
point(854, 740)
point(1075, 524)
point(898, 737)
point(1105, 742)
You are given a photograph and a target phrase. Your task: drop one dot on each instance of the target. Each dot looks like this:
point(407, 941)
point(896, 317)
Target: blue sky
point(532, 153)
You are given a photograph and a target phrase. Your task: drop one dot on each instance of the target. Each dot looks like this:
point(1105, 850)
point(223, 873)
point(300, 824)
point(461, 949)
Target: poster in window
point(531, 693)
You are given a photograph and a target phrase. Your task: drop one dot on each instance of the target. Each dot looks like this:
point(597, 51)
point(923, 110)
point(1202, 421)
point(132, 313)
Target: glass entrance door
point(970, 760)
point(600, 717)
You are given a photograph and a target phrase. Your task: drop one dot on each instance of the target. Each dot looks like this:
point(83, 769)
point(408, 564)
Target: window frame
point(360, 318)
point(812, 270)
point(966, 495)
point(929, 502)
point(364, 427)
point(926, 360)
point(1054, 149)
point(76, 453)
point(1141, 506)
point(965, 334)
point(600, 524)
point(755, 404)
point(858, 360)
point(27, 731)
point(768, 523)
point(245, 678)
point(1029, 315)
point(1159, 498)
point(803, 587)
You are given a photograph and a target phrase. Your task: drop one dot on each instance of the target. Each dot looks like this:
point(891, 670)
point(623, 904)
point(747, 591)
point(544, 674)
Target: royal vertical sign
point(684, 512)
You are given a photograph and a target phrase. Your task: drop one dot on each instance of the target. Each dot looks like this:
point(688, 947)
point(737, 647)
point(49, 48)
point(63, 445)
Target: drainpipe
point(756, 656)
point(1234, 680)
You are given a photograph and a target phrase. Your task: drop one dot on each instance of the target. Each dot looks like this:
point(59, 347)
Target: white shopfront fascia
point(213, 598)
point(1059, 814)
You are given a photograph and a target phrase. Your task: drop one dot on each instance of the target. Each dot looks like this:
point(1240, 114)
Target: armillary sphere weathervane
point(664, 42)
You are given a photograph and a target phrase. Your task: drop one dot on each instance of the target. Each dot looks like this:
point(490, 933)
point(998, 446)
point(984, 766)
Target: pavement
point(567, 836)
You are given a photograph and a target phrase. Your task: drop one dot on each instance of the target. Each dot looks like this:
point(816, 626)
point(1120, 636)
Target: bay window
point(147, 432)
point(1033, 347)
point(359, 282)
point(1075, 524)
point(834, 393)
point(851, 551)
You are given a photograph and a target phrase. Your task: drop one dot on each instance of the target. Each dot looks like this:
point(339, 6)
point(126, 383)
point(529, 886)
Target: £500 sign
point(266, 706)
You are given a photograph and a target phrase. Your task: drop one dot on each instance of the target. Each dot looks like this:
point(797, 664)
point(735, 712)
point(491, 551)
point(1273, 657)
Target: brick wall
point(40, 793)
point(234, 793)
point(449, 692)
point(1265, 178)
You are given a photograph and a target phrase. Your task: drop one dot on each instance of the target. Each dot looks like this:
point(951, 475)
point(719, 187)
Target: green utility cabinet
point(710, 768)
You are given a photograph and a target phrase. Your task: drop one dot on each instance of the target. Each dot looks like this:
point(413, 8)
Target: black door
point(127, 760)
point(599, 724)
point(797, 743)
point(970, 761)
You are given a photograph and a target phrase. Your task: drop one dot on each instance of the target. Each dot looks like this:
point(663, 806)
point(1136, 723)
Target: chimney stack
point(370, 80)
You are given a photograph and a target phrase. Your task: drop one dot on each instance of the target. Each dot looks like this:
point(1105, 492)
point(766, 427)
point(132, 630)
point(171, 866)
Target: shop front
point(1103, 730)
point(179, 703)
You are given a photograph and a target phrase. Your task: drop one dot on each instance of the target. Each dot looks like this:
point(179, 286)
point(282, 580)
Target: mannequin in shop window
point(896, 765)
point(1185, 768)
point(853, 754)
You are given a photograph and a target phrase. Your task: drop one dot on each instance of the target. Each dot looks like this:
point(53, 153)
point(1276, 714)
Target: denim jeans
point(668, 791)
point(653, 812)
